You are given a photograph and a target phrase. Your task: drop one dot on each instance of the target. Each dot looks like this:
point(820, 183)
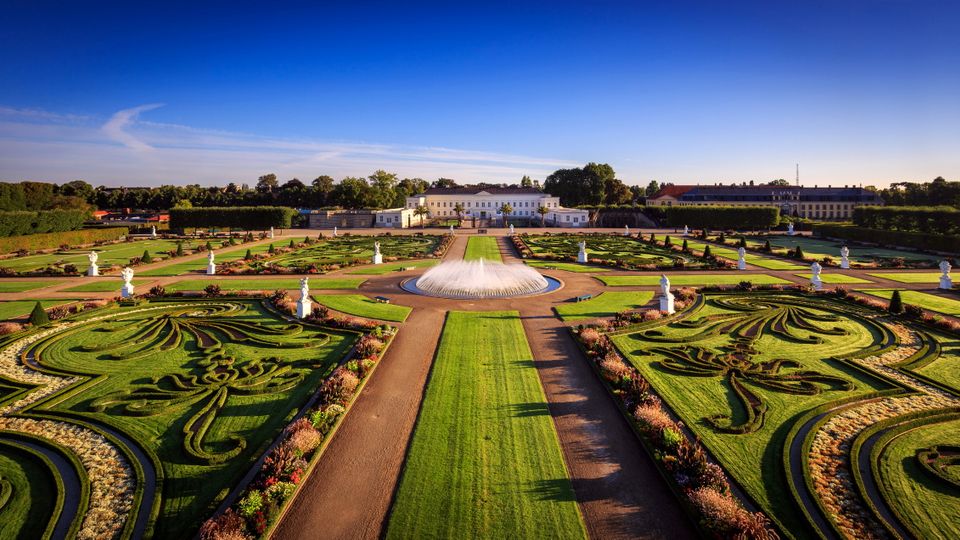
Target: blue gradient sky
point(129, 94)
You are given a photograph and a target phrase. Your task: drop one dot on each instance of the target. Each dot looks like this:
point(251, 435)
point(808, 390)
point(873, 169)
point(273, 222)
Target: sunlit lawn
point(605, 304)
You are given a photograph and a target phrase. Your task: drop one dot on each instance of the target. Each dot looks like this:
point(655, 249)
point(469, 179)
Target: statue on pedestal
point(271, 232)
point(626, 230)
point(946, 282)
point(741, 259)
point(582, 256)
point(127, 275)
point(686, 230)
point(377, 256)
point(304, 306)
point(790, 229)
point(153, 232)
point(845, 257)
point(815, 280)
point(334, 231)
point(666, 297)
point(511, 229)
point(93, 270)
point(211, 268)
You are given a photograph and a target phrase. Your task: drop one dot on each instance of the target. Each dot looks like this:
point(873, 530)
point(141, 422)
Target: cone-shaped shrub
point(767, 246)
point(38, 317)
point(146, 258)
point(179, 249)
point(272, 249)
point(798, 254)
point(706, 252)
point(896, 303)
point(667, 242)
point(248, 256)
point(209, 246)
point(292, 245)
point(742, 243)
point(685, 247)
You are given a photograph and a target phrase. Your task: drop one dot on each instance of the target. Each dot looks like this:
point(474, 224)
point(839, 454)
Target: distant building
point(483, 203)
point(805, 202)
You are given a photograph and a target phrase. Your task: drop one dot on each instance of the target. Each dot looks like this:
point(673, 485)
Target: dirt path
point(348, 495)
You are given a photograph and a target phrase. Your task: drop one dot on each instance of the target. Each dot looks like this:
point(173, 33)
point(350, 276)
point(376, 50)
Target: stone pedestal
point(741, 264)
point(582, 257)
point(377, 258)
point(93, 271)
point(666, 304)
point(946, 282)
point(127, 290)
point(211, 269)
point(304, 308)
point(817, 284)
point(845, 263)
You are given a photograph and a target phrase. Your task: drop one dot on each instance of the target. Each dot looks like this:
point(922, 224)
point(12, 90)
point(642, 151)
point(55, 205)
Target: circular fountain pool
point(480, 279)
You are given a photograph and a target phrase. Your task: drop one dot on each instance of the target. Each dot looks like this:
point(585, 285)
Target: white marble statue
point(211, 267)
point(815, 280)
point(946, 282)
point(334, 231)
point(790, 229)
point(666, 297)
point(626, 230)
point(451, 230)
point(686, 230)
point(153, 232)
point(377, 256)
point(845, 257)
point(741, 259)
point(93, 270)
point(271, 232)
point(127, 275)
point(511, 229)
point(304, 307)
point(582, 256)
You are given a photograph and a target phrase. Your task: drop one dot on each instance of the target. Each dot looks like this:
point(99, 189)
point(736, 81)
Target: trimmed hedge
point(241, 217)
point(723, 217)
point(35, 242)
point(925, 219)
point(44, 221)
point(917, 240)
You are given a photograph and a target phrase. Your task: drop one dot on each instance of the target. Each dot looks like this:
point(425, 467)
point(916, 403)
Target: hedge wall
point(44, 221)
point(240, 217)
point(926, 219)
point(723, 217)
point(918, 240)
point(34, 242)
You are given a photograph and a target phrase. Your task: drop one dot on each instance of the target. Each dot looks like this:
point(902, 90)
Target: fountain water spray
point(480, 279)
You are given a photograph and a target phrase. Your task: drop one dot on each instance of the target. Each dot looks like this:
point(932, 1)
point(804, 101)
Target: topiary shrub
point(38, 317)
point(896, 304)
point(179, 249)
point(146, 258)
point(248, 256)
point(767, 247)
point(685, 248)
point(706, 253)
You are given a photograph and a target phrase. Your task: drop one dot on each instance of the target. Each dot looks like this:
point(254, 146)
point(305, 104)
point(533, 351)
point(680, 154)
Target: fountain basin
point(480, 280)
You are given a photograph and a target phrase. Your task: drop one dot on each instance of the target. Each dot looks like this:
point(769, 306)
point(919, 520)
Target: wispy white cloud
point(40, 115)
point(115, 127)
point(47, 146)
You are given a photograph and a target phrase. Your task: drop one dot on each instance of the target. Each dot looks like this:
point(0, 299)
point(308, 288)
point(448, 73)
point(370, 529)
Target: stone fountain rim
point(419, 292)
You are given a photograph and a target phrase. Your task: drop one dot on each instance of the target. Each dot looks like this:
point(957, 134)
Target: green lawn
point(362, 306)
point(947, 306)
point(681, 280)
point(819, 248)
point(610, 248)
point(104, 284)
point(386, 268)
point(120, 253)
point(23, 286)
point(832, 277)
point(199, 264)
point(482, 247)
point(929, 506)
point(28, 493)
point(265, 284)
point(605, 304)
point(155, 381)
point(348, 249)
point(731, 253)
point(909, 277)
point(20, 308)
point(700, 389)
point(484, 461)
point(568, 267)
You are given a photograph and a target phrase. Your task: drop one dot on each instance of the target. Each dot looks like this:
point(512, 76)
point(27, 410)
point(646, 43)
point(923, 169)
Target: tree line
point(935, 193)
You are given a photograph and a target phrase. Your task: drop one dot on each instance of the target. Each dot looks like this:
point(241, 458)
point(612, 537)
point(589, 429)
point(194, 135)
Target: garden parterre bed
point(933, 302)
point(606, 304)
point(349, 250)
point(612, 250)
point(482, 247)
point(692, 279)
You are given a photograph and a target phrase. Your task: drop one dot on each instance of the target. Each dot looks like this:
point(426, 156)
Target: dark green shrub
point(706, 252)
point(248, 256)
point(146, 258)
point(38, 317)
point(179, 249)
point(896, 303)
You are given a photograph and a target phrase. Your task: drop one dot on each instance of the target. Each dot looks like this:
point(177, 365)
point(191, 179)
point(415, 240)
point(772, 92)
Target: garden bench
point(382, 299)
point(584, 297)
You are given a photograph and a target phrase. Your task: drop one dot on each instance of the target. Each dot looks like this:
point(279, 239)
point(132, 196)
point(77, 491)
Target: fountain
point(480, 279)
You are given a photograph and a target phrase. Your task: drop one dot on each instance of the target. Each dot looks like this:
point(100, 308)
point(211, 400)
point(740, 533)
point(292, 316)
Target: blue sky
point(212, 92)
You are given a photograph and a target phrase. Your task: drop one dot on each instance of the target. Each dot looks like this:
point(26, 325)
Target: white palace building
point(483, 203)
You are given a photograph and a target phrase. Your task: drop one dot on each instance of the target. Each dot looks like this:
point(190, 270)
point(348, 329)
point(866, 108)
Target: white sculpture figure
point(946, 282)
point(211, 268)
point(582, 256)
point(377, 257)
point(271, 232)
point(304, 307)
point(93, 270)
point(626, 230)
point(790, 229)
point(666, 297)
point(127, 275)
point(741, 259)
point(845, 257)
point(334, 231)
point(511, 229)
point(686, 230)
point(451, 230)
point(815, 280)
point(153, 232)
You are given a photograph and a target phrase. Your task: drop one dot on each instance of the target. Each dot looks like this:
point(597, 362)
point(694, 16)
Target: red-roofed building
point(668, 195)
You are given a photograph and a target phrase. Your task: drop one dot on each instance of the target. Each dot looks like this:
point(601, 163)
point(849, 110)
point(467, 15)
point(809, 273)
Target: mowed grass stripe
point(380, 269)
point(692, 279)
point(565, 266)
point(605, 304)
point(23, 286)
point(361, 306)
point(485, 461)
point(830, 277)
point(909, 277)
point(482, 247)
point(264, 284)
point(933, 302)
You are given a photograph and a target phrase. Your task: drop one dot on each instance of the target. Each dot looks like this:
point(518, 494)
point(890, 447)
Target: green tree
point(267, 183)
point(146, 258)
point(526, 181)
point(421, 212)
point(896, 303)
point(543, 211)
point(505, 210)
point(179, 249)
point(444, 183)
point(38, 317)
point(652, 188)
point(779, 182)
point(459, 209)
point(382, 189)
point(352, 193)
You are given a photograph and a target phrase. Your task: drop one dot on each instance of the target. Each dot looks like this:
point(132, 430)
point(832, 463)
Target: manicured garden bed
point(266, 284)
point(14, 309)
point(605, 304)
point(933, 302)
point(484, 460)
point(909, 277)
point(691, 279)
point(482, 247)
point(567, 267)
point(625, 252)
point(333, 253)
point(23, 286)
point(112, 254)
point(362, 306)
point(386, 268)
point(836, 278)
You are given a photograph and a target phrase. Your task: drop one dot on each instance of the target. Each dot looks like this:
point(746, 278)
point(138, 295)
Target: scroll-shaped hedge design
point(166, 331)
point(754, 317)
point(735, 367)
point(941, 461)
point(219, 380)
